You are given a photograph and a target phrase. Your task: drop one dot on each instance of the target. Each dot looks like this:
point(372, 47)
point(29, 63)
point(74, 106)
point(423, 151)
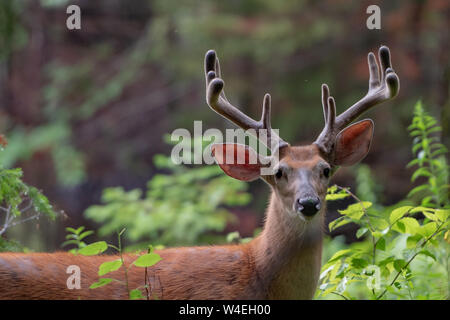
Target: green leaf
point(421, 172)
point(399, 264)
point(93, 248)
point(442, 214)
point(136, 294)
point(72, 230)
point(101, 282)
point(381, 244)
point(412, 163)
point(398, 213)
point(433, 129)
point(361, 232)
point(85, 234)
point(147, 260)
point(401, 226)
point(332, 189)
point(233, 236)
point(339, 222)
point(66, 243)
point(438, 152)
point(428, 253)
point(379, 223)
point(336, 196)
point(428, 229)
point(356, 210)
point(418, 189)
point(359, 263)
point(333, 193)
point(109, 266)
point(79, 230)
point(411, 225)
point(412, 241)
point(430, 215)
point(339, 254)
point(421, 209)
point(386, 261)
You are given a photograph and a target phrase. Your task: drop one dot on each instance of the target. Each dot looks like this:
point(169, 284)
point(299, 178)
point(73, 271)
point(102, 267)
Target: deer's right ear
point(237, 160)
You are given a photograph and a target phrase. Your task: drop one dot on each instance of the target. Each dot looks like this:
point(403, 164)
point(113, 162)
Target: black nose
point(309, 206)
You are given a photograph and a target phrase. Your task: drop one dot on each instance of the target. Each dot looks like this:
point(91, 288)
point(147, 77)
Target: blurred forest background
point(84, 110)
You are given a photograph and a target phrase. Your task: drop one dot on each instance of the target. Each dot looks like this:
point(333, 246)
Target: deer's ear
point(353, 143)
point(237, 160)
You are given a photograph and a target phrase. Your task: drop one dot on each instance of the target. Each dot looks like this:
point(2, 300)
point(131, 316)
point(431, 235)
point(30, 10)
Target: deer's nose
point(309, 206)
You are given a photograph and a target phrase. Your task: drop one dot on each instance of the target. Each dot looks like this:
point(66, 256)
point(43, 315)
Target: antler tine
point(325, 138)
point(380, 89)
point(215, 97)
point(384, 84)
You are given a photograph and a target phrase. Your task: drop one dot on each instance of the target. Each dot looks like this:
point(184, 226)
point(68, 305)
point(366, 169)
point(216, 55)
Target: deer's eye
point(326, 172)
point(279, 174)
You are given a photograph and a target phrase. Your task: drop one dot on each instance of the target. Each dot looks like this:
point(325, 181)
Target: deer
point(283, 261)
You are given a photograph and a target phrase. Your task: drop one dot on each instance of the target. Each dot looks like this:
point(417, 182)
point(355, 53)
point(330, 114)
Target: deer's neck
point(288, 253)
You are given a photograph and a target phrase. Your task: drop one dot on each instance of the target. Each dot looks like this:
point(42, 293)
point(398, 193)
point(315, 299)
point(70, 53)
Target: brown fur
point(283, 262)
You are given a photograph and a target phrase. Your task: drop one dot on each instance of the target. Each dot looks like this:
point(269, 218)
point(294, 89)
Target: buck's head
point(299, 175)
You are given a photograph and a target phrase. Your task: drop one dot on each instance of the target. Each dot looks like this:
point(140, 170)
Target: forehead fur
point(300, 156)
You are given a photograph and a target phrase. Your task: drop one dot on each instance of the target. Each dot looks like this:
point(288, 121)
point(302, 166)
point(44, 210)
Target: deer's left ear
point(353, 143)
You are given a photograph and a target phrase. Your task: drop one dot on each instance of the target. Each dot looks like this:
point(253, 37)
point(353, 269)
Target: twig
point(339, 294)
point(146, 284)
point(28, 207)
point(36, 216)
point(7, 221)
point(123, 264)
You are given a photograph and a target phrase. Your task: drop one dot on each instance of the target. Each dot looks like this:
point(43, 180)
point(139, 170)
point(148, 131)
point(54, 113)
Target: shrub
point(405, 250)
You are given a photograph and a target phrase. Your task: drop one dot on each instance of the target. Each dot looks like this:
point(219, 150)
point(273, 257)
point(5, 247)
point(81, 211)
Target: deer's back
point(219, 272)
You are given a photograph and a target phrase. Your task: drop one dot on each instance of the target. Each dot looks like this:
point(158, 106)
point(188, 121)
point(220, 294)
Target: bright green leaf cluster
point(145, 260)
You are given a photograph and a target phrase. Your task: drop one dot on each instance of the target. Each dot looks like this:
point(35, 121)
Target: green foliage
point(143, 260)
point(182, 207)
point(75, 237)
point(19, 203)
point(93, 249)
point(405, 251)
point(235, 237)
point(429, 160)
point(11, 246)
point(147, 260)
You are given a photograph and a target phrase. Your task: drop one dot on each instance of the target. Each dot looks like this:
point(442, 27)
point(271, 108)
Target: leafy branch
point(145, 261)
point(17, 198)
